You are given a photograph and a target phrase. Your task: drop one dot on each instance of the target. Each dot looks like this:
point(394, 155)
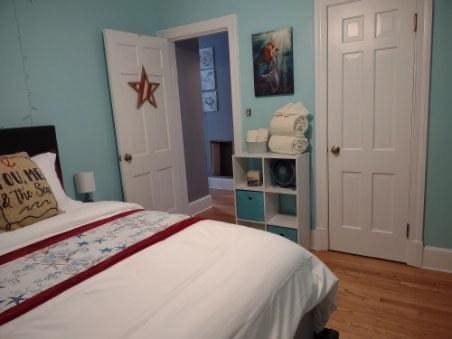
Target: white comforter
point(212, 280)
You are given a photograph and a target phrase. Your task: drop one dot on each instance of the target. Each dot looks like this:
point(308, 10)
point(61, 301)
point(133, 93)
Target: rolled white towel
point(262, 135)
point(251, 135)
point(296, 109)
point(284, 109)
point(288, 145)
point(291, 125)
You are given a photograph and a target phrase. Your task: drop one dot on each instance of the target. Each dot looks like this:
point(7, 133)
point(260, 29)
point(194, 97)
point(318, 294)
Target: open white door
point(370, 103)
point(149, 138)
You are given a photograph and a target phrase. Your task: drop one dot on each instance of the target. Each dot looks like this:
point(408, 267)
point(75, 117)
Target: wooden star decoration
point(145, 89)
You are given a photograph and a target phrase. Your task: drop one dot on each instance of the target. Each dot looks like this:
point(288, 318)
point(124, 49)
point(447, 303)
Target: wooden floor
point(376, 298)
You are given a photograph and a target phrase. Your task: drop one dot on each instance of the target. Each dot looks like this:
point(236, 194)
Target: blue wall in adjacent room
point(438, 205)
point(66, 76)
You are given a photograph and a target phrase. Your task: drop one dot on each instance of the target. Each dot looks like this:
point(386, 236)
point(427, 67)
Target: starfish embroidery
point(16, 300)
point(82, 243)
point(100, 240)
point(106, 250)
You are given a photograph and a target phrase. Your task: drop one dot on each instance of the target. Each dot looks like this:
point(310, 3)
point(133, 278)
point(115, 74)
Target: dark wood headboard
point(33, 140)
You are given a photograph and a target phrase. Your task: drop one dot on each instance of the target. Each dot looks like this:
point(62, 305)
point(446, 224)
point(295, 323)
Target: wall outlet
point(248, 112)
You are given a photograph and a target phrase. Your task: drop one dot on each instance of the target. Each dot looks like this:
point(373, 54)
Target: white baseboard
point(319, 239)
point(414, 253)
point(200, 205)
point(438, 259)
point(221, 183)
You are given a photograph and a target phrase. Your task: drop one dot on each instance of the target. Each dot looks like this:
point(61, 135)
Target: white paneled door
point(149, 137)
point(370, 89)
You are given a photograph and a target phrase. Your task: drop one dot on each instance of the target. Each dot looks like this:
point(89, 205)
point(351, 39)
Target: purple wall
point(187, 59)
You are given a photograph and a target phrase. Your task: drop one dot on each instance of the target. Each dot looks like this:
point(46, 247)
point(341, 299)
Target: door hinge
point(415, 23)
point(407, 231)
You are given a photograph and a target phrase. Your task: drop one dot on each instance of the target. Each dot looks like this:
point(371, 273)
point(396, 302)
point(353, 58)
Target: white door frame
point(418, 153)
point(228, 24)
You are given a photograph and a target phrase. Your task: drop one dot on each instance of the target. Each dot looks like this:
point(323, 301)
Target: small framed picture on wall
point(206, 58)
point(207, 79)
point(209, 101)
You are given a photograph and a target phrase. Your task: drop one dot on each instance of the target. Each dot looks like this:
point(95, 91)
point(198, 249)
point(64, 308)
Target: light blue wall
point(62, 43)
point(218, 125)
point(13, 98)
point(438, 206)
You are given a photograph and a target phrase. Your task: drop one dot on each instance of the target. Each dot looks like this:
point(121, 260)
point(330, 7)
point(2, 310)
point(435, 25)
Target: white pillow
point(46, 162)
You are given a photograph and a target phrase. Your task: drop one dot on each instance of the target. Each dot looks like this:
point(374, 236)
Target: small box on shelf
point(242, 166)
point(254, 178)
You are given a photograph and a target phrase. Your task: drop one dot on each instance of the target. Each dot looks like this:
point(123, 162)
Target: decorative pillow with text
point(25, 195)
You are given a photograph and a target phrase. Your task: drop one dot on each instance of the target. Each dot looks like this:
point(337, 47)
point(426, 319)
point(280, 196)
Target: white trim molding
point(200, 205)
point(438, 259)
point(228, 24)
point(418, 152)
point(220, 183)
point(419, 135)
point(319, 239)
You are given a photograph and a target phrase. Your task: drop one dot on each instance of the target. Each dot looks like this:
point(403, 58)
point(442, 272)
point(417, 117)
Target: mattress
point(210, 280)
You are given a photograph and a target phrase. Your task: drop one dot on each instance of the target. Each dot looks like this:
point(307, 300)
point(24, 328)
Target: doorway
point(217, 107)
point(203, 72)
point(227, 24)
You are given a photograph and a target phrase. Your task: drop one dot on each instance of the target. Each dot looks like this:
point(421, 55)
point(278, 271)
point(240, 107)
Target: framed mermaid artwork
point(273, 63)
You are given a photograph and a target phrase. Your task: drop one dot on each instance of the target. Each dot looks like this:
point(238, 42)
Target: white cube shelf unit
point(281, 210)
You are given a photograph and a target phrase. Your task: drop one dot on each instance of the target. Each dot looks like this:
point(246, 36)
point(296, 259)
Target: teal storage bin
point(250, 205)
point(285, 232)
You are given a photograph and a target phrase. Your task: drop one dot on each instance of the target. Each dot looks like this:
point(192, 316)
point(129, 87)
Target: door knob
point(335, 149)
point(128, 157)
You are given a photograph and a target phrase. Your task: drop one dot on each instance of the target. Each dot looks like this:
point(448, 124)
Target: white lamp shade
point(84, 182)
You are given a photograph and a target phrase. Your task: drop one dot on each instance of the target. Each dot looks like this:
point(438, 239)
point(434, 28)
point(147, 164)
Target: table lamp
point(85, 184)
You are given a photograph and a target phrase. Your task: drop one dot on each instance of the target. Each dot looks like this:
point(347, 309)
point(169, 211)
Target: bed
point(153, 275)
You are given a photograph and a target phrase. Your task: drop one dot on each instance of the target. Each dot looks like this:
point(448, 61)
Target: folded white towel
point(288, 145)
point(290, 125)
point(251, 135)
point(262, 135)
